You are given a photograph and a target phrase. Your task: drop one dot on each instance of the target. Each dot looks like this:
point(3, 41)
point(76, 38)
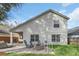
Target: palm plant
point(4, 8)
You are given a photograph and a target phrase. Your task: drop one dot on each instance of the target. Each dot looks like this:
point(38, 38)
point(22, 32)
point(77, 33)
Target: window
point(53, 38)
point(34, 37)
point(56, 38)
point(37, 37)
point(56, 23)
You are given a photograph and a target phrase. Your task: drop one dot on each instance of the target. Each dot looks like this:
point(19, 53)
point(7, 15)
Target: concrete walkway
point(30, 50)
point(12, 48)
point(23, 49)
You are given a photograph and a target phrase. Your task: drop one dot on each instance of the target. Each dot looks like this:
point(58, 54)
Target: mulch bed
point(2, 53)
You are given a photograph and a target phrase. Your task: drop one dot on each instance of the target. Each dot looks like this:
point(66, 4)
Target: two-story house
point(49, 26)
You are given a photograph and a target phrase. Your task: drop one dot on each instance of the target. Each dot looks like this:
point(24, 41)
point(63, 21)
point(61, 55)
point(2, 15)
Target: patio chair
point(38, 44)
point(4, 45)
point(41, 47)
point(27, 46)
point(25, 42)
point(31, 45)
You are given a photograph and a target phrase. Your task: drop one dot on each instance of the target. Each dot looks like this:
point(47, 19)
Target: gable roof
point(73, 30)
point(50, 10)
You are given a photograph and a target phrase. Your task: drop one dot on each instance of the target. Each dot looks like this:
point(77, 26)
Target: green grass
point(59, 50)
point(65, 50)
point(26, 54)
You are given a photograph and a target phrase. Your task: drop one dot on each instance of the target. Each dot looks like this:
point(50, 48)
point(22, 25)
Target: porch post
point(11, 38)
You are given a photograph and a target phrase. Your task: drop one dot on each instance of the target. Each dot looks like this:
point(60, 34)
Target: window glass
point(56, 23)
point(37, 37)
point(56, 38)
point(34, 37)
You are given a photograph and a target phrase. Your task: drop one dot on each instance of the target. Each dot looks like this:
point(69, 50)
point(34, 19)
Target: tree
point(4, 8)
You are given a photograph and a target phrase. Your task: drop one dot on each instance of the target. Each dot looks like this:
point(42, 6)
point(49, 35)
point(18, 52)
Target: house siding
point(73, 36)
point(43, 26)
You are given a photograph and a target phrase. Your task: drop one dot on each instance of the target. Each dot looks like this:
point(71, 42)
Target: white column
point(11, 38)
point(19, 38)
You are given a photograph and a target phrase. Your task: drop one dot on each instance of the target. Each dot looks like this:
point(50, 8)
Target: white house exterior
point(50, 26)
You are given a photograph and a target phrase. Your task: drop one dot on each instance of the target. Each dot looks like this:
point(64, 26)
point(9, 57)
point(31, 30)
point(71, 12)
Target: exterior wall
point(44, 27)
point(73, 39)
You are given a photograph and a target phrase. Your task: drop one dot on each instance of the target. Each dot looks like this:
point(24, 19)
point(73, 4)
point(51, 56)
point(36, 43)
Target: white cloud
point(74, 14)
point(13, 22)
point(74, 18)
point(66, 4)
point(62, 11)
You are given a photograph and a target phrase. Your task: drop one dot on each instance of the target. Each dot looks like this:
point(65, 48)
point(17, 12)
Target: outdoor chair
point(25, 42)
point(27, 46)
point(4, 45)
point(31, 45)
point(39, 46)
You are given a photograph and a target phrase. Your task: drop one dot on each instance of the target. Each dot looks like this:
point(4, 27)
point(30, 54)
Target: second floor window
point(56, 23)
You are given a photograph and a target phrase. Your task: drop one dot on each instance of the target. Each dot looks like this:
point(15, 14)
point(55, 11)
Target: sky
point(26, 11)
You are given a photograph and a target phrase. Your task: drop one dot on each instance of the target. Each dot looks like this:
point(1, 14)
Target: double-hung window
point(56, 23)
point(56, 38)
point(34, 37)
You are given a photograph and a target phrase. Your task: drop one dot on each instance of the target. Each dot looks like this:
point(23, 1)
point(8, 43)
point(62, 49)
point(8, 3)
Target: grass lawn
point(59, 50)
point(65, 50)
point(26, 54)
